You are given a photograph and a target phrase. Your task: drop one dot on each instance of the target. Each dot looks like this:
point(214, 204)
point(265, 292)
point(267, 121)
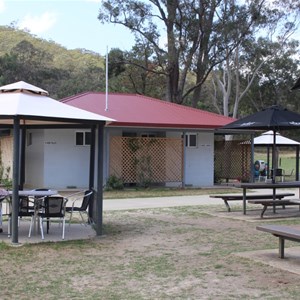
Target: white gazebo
point(23, 106)
point(267, 139)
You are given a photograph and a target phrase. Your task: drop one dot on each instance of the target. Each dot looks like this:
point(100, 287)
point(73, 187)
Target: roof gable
point(141, 111)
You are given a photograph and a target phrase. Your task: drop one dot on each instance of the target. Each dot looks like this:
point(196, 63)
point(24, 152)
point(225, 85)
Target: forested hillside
point(48, 65)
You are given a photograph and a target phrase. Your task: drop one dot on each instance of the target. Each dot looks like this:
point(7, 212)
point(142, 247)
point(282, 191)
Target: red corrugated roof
point(136, 110)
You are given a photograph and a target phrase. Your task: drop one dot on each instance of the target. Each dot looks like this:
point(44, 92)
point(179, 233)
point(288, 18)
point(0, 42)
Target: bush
point(114, 183)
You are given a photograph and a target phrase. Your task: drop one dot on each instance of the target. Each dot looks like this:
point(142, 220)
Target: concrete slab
point(291, 262)
point(74, 231)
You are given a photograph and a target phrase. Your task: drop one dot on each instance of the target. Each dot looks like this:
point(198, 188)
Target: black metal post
point(22, 156)
point(297, 163)
point(92, 169)
point(99, 194)
point(15, 187)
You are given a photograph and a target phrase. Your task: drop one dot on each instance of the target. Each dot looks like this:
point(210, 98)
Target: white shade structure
point(267, 138)
point(23, 106)
point(31, 104)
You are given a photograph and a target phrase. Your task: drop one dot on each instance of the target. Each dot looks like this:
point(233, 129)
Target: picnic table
point(265, 185)
point(283, 233)
point(259, 197)
point(266, 203)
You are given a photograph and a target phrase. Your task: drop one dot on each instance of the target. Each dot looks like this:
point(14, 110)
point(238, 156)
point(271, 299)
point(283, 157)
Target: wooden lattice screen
point(232, 160)
point(146, 160)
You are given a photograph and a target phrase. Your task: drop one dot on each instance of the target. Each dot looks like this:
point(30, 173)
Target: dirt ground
point(169, 253)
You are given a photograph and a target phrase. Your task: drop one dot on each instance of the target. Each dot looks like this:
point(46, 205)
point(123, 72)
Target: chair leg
point(63, 228)
point(30, 228)
point(41, 227)
point(83, 222)
point(71, 215)
point(9, 223)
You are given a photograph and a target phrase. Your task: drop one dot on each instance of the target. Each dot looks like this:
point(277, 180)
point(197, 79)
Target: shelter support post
point(252, 159)
point(297, 163)
point(92, 169)
point(15, 187)
point(22, 157)
point(184, 160)
point(99, 194)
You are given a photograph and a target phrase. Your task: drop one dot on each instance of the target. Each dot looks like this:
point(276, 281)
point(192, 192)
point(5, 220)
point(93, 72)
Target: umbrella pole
point(274, 167)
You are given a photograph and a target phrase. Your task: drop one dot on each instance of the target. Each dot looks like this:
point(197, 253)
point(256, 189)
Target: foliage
point(114, 183)
point(44, 63)
point(199, 35)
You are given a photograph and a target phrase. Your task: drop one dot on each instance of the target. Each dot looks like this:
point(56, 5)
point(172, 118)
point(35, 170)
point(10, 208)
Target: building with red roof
point(150, 142)
point(131, 110)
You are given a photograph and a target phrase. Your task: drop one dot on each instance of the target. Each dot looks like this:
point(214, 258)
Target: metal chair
point(53, 207)
point(26, 209)
point(82, 209)
point(278, 173)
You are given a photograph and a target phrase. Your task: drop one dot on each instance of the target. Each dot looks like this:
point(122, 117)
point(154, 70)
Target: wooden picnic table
point(265, 185)
point(235, 197)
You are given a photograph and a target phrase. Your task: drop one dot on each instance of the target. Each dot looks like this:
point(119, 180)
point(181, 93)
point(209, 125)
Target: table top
point(268, 185)
point(35, 193)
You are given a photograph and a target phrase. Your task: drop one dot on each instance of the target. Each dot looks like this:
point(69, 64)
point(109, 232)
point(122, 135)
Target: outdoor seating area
point(44, 206)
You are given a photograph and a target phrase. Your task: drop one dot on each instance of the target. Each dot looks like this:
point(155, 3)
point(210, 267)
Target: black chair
point(53, 207)
point(26, 209)
point(82, 209)
point(278, 173)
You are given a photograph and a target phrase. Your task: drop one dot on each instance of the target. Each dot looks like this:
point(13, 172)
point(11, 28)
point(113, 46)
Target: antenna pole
point(106, 81)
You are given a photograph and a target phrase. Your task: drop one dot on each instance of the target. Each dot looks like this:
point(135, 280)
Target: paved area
point(157, 202)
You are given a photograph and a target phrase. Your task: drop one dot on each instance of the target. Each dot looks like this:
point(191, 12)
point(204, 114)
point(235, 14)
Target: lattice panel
point(6, 146)
point(233, 160)
point(152, 160)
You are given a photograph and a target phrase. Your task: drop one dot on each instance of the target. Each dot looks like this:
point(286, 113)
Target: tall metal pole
point(106, 81)
point(15, 187)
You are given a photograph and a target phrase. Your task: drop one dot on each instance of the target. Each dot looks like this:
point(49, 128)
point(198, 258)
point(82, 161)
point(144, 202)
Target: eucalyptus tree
point(186, 36)
point(233, 78)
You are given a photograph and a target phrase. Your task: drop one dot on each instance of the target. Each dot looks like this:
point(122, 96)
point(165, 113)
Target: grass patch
point(163, 192)
point(174, 253)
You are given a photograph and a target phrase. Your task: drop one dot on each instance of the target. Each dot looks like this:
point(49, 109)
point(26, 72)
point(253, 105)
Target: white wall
point(53, 160)
point(34, 160)
point(66, 165)
point(199, 161)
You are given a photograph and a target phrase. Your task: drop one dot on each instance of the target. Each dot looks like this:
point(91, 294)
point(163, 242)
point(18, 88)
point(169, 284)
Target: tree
point(196, 34)
point(260, 74)
point(135, 71)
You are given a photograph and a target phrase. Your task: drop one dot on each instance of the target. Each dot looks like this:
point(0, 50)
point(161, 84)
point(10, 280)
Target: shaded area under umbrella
point(273, 118)
point(266, 139)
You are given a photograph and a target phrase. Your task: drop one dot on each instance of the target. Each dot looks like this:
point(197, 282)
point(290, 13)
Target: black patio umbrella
point(273, 118)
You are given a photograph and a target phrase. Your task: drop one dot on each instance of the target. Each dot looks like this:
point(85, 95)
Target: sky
point(70, 23)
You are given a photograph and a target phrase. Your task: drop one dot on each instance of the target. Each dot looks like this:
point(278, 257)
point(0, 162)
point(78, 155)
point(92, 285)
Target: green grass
point(162, 192)
point(169, 253)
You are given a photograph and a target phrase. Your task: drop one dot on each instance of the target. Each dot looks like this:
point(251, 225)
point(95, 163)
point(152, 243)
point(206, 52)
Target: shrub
point(114, 183)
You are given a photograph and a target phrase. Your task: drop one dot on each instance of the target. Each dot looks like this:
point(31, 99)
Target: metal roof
point(140, 111)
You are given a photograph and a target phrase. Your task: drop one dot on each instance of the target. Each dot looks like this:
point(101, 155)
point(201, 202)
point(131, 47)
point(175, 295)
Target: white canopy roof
point(32, 105)
point(267, 139)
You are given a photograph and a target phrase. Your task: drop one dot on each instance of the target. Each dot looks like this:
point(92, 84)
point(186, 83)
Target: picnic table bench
point(265, 203)
point(235, 197)
point(283, 233)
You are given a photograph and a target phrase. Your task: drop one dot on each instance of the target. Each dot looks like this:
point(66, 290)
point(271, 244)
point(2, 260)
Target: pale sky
point(70, 23)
